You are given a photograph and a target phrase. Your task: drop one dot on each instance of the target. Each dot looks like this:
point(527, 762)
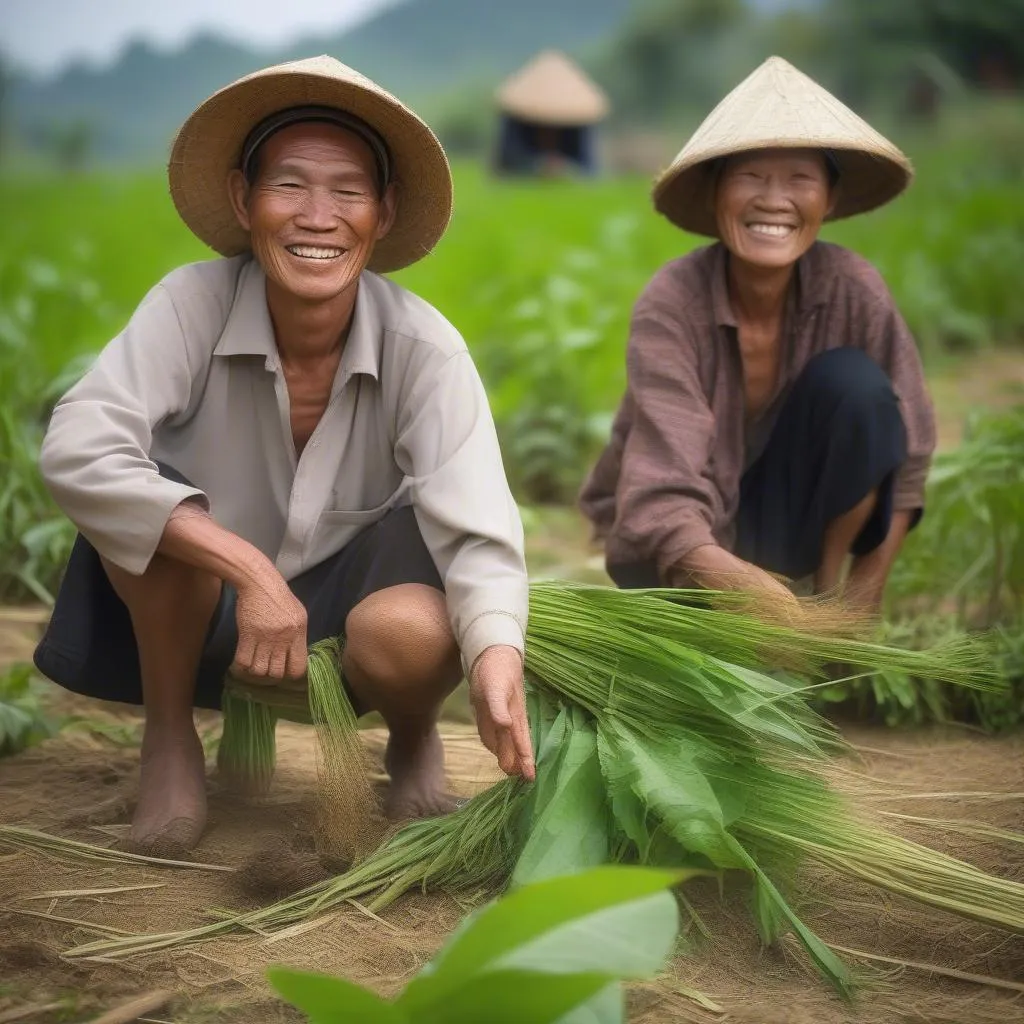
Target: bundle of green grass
point(661, 739)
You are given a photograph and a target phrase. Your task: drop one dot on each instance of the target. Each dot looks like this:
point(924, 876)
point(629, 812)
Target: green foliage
point(968, 550)
point(658, 742)
point(961, 569)
point(23, 720)
point(875, 42)
point(540, 278)
point(37, 300)
point(538, 956)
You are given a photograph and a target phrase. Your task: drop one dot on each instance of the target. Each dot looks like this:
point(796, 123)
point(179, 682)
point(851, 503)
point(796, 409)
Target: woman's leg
point(822, 488)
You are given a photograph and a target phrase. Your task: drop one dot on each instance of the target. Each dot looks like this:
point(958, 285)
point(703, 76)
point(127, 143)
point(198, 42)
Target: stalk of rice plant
point(348, 812)
point(651, 750)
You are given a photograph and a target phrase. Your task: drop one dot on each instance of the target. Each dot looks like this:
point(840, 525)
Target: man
point(282, 445)
point(776, 420)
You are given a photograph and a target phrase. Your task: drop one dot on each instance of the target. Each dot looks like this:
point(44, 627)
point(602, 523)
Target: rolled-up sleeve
point(95, 455)
point(447, 446)
point(888, 341)
point(665, 500)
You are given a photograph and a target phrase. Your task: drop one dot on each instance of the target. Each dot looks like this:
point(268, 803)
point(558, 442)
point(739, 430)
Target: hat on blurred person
point(779, 106)
point(210, 145)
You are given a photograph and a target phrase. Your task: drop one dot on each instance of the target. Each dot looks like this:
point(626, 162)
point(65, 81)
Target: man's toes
point(169, 841)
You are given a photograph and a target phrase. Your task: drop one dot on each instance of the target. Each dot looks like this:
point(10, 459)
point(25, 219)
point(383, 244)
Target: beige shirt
point(195, 380)
point(669, 480)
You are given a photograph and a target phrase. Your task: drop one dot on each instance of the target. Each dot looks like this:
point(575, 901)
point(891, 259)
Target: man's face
point(313, 212)
point(769, 204)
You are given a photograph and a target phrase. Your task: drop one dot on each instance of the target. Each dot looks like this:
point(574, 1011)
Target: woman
point(776, 419)
point(282, 446)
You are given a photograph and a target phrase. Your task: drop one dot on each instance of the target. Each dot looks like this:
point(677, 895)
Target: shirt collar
point(249, 331)
point(811, 284)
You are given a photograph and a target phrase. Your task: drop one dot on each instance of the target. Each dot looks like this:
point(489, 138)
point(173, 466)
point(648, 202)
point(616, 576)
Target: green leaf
point(616, 921)
point(665, 779)
point(607, 1007)
point(570, 821)
point(511, 997)
point(827, 962)
point(327, 1000)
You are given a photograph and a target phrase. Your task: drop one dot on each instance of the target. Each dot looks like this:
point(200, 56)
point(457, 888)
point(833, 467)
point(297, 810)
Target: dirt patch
point(65, 786)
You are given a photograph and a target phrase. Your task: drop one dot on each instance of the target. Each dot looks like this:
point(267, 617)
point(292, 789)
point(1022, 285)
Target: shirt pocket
point(333, 517)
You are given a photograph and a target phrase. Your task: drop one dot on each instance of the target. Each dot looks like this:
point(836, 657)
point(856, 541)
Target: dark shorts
point(839, 436)
point(89, 645)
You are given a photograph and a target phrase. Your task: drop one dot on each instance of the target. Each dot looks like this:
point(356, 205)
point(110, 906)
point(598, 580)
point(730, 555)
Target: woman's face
point(770, 203)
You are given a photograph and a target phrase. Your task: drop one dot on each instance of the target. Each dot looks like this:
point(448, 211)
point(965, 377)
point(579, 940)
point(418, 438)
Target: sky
point(44, 35)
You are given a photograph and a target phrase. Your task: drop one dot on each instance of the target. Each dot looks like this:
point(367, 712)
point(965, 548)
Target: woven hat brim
point(867, 180)
point(209, 143)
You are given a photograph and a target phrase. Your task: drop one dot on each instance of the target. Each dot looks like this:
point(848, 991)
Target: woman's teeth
point(773, 230)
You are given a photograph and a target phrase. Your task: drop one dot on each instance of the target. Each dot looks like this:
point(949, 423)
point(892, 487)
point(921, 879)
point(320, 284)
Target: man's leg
point(401, 660)
point(171, 606)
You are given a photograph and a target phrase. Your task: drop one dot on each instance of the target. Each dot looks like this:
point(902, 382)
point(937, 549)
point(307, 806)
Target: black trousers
point(838, 436)
point(89, 645)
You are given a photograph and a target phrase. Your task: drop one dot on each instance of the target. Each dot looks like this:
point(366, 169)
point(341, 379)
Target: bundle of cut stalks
point(660, 739)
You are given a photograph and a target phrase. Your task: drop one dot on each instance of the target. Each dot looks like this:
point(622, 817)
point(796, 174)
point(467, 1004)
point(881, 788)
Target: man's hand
point(496, 692)
point(271, 630)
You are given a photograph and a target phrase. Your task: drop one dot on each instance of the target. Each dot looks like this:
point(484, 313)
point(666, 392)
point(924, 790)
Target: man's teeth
point(775, 230)
point(314, 252)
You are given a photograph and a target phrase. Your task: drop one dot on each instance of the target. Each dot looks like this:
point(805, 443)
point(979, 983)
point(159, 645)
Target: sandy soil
point(81, 785)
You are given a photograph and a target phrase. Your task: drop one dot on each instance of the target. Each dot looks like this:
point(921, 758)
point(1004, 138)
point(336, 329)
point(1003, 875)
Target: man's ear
point(238, 193)
point(388, 210)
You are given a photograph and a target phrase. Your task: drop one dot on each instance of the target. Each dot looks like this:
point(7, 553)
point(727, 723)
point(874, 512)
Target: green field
point(539, 277)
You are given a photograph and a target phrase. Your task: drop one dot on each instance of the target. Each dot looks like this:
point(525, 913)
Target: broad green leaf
point(511, 997)
point(570, 825)
point(630, 940)
point(607, 1007)
point(574, 912)
point(667, 782)
point(328, 1000)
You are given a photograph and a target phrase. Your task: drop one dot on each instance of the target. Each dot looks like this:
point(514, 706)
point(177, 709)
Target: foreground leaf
point(510, 997)
point(614, 921)
point(328, 1000)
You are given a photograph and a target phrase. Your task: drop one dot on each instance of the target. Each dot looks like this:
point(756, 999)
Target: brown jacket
point(669, 479)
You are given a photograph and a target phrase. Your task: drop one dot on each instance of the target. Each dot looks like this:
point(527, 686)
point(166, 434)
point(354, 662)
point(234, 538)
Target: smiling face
point(770, 203)
point(313, 210)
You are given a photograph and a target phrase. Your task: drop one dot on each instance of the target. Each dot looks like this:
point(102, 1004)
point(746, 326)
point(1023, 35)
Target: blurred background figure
point(549, 112)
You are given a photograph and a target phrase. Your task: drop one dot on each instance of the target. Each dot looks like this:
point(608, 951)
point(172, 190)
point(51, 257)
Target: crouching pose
point(283, 446)
point(776, 420)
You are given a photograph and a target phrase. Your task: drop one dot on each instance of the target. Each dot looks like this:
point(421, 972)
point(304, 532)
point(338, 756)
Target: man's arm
point(447, 444)
point(271, 620)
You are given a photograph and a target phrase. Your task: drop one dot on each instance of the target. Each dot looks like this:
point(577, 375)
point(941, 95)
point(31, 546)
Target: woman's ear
point(238, 193)
point(834, 191)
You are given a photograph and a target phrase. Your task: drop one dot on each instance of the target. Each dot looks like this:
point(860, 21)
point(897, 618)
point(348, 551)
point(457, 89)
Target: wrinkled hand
point(271, 631)
point(496, 693)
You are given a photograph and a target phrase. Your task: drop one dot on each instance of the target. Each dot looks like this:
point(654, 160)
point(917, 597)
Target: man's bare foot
point(415, 762)
point(171, 812)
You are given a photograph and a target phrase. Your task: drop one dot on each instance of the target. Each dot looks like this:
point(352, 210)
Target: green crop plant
point(554, 952)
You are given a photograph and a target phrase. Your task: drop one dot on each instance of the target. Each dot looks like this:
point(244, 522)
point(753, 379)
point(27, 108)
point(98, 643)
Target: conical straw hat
point(777, 105)
point(208, 146)
point(551, 89)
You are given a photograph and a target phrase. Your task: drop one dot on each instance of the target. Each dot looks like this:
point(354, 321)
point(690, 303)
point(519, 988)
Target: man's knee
point(847, 377)
point(401, 638)
point(164, 580)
